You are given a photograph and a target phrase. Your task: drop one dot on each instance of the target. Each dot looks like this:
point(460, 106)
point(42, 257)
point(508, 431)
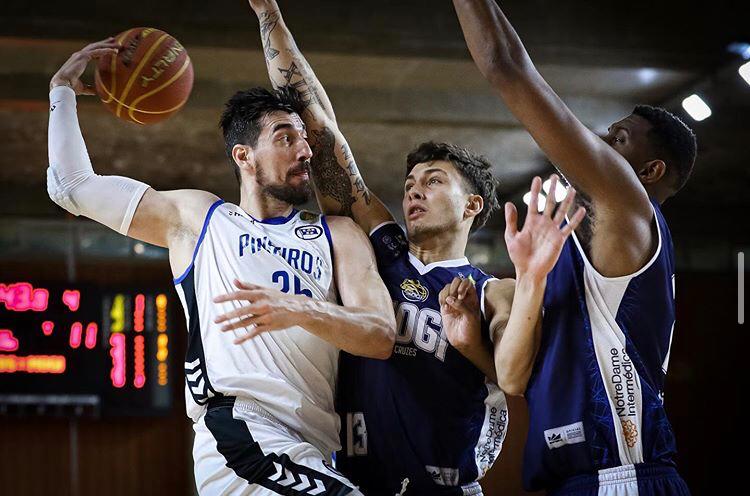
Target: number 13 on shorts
point(356, 434)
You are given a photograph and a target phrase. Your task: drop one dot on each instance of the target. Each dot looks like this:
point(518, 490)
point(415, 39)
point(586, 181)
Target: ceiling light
point(696, 107)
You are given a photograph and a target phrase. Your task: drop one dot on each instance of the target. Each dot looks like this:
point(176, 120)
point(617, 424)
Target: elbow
point(503, 69)
point(512, 384)
point(387, 339)
point(58, 194)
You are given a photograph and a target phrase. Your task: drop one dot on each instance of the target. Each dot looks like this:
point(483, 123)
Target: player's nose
point(415, 193)
point(304, 152)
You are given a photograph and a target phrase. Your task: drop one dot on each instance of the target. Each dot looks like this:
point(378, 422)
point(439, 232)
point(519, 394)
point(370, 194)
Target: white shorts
point(241, 450)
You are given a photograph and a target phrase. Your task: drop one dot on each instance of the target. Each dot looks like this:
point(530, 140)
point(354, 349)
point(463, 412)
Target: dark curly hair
point(672, 141)
point(475, 170)
point(241, 120)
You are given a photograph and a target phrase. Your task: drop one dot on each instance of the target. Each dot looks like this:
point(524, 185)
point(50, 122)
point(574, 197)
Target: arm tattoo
point(330, 178)
point(351, 166)
point(268, 21)
point(297, 77)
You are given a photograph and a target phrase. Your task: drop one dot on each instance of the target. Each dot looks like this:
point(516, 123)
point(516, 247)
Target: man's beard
point(285, 192)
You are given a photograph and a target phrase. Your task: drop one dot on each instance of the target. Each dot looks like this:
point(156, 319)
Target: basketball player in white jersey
point(263, 410)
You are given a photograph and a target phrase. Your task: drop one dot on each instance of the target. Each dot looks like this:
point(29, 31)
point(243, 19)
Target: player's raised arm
point(619, 198)
point(339, 186)
point(128, 206)
point(534, 251)
point(364, 324)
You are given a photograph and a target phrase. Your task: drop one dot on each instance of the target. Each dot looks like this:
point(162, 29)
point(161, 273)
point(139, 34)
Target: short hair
point(673, 141)
point(474, 169)
point(241, 120)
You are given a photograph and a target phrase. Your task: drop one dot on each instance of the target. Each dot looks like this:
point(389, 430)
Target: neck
point(445, 245)
point(261, 206)
point(659, 194)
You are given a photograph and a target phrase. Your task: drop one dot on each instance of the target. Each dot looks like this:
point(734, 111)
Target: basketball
point(148, 80)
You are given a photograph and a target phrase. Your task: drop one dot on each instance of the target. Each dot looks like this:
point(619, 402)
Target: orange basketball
point(148, 80)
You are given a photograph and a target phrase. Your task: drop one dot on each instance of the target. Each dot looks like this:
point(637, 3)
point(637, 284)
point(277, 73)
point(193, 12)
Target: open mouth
point(415, 211)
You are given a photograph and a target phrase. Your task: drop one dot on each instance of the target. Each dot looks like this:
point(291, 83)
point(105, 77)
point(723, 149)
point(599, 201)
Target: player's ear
point(474, 205)
point(652, 171)
point(244, 157)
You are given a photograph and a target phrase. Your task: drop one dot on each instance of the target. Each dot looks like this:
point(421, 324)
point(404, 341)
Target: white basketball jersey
point(290, 373)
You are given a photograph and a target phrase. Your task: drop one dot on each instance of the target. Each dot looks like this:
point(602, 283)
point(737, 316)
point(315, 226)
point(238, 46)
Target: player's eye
point(433, 180)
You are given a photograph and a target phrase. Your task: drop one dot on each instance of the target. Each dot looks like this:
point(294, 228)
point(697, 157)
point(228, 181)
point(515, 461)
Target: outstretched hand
point(535, 248)
point(70, 72)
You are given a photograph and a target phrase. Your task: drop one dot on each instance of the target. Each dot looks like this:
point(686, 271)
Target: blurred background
point(108, 417)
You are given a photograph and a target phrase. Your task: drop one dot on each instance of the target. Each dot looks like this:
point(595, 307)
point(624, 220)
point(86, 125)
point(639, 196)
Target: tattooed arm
point(339, 186)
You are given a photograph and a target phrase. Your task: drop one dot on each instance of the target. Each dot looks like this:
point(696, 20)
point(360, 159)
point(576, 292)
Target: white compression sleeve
point(71, 181)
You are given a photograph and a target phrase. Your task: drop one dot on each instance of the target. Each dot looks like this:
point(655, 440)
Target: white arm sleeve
point(71, 181)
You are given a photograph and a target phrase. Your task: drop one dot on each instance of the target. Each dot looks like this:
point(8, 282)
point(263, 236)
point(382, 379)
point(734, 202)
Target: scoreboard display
point(85, 350)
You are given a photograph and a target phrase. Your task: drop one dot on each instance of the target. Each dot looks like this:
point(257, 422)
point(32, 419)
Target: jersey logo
point(195, 381)
point(308, 216)
point(308, 233)
point(630, 430)
point(567, 434)
point(414, 291)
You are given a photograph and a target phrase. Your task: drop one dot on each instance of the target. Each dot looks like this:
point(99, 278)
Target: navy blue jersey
point(596, 391)
point(427, 413)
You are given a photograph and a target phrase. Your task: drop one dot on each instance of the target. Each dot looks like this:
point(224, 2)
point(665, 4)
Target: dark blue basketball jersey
point(426, 414)
point(595, 394)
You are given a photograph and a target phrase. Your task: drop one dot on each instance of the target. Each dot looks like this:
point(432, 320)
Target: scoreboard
point(85, 350)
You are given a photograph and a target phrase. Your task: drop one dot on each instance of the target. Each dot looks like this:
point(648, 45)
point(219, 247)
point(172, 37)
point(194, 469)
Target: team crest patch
point(308, 232)
point(308, 216)
point(413, 290)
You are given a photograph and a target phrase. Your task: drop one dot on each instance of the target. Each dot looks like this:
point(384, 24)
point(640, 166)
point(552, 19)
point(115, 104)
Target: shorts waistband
point(617, 475)
point(219, 401)
point(247, 405)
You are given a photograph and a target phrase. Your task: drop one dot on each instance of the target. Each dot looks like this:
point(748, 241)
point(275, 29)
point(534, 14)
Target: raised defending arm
point(620, 201)
point(339, 186)
point(534, 251)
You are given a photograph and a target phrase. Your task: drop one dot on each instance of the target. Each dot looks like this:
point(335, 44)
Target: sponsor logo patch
point(414, 291)
point(567, 434)
point(308, 232)
point(630, 431)
point(308, 216)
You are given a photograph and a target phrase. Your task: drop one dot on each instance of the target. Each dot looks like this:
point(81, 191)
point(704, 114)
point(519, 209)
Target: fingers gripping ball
point(148, 80)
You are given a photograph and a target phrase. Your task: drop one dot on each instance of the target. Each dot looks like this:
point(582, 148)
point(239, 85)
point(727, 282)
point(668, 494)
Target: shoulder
point(343, 227)
point(340, 222)
point(345, 232)
point(184, 209)
point(191, 202)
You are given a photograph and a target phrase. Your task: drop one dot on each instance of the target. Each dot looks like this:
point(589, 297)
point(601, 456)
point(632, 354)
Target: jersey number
point(356, 434)
point(423, 327)
point(282, 277)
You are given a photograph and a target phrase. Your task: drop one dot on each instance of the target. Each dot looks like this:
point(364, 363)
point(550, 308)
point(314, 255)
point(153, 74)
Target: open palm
point(535, 248)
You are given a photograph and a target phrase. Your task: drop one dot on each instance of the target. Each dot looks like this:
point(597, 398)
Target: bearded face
point(294, 189)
